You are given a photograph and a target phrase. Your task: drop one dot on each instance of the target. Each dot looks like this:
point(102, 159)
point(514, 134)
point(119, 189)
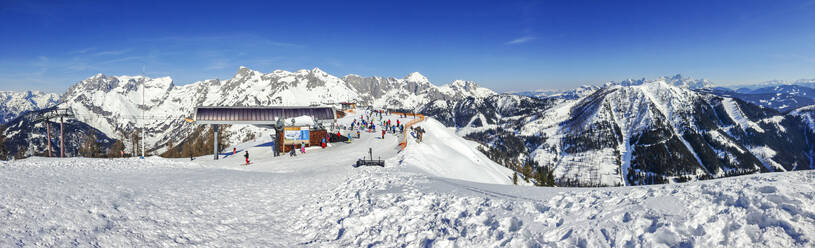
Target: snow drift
point(443, 153)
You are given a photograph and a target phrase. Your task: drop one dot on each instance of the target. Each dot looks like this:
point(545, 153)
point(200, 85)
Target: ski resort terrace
point(260, 116)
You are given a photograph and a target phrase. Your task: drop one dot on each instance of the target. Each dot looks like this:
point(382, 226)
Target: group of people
point(292, 152)
point(362, 123)
point(370, 123)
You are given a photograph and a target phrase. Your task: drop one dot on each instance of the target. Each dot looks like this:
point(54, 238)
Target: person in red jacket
point(383, 133)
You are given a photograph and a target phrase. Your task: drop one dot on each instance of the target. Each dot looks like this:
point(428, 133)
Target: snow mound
point(304, 120)
point(385, 208)
point(442, 153)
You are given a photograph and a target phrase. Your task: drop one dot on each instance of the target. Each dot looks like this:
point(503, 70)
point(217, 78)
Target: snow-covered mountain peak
point(417, 78)
point(318, 71)
point(14, 104)
point(466, 88)
point(461, 83)
point(245, 72)
point(675, 80)
point(690, 83)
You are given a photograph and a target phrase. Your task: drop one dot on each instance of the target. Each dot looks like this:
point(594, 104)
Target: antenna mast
point(143, 132)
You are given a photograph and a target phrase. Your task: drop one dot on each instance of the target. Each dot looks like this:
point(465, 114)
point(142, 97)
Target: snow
point(466, 88)
point(14, 104)
point(113, 104)
point(443, 153)
point(766, 154)
point(777, 121)
point(426, 195)
point(304, 120)
point(808, 114)
point(417, 77)
point(733, 110)
point(312, 201)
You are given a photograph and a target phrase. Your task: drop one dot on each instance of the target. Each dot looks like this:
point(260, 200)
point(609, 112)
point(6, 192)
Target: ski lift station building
point(270, 117)
point(348, 105)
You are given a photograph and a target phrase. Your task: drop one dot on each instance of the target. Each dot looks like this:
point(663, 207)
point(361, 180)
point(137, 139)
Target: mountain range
point(631, 132)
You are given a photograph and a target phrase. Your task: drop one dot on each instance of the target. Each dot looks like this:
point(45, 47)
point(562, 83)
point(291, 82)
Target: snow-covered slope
point(628, 132)
point(780, 97)
point(808, 115)
point(311, 201)
point(443, 153)
point(14, 104)
point(633, 132)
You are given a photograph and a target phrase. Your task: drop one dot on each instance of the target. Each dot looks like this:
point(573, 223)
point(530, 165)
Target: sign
point(304, 133)
point(295, 135)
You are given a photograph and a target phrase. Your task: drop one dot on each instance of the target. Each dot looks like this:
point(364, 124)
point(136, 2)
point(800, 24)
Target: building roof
point(259, 115)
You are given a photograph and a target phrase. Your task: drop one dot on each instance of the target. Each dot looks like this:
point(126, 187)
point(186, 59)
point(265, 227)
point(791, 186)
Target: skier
point(323, 143)
point(246, 155)
point(302, 147)
point(358, 134)
point(291, 152)
point(234, 150)
point(383, 133)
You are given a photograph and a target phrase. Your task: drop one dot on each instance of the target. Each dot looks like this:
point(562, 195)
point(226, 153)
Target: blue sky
point(504, 45)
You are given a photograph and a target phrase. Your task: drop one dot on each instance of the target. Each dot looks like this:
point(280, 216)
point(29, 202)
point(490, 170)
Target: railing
point(403, 144)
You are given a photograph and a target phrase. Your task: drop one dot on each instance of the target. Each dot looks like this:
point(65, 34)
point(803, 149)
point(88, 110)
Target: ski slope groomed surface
point(437, 193)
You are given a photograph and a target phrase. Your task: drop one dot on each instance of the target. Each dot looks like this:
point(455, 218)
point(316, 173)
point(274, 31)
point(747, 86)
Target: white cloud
point(112, 52)
point(520, 40)
point(83, 51)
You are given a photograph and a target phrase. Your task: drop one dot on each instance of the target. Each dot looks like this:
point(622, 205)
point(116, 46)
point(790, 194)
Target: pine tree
point(526, 170)
point(544, 176)
point(171, 150)
point(89, 147)
point(3, 151)
point(135, 139)
point(116, 149)
point(20, 154)
point(186, 149)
